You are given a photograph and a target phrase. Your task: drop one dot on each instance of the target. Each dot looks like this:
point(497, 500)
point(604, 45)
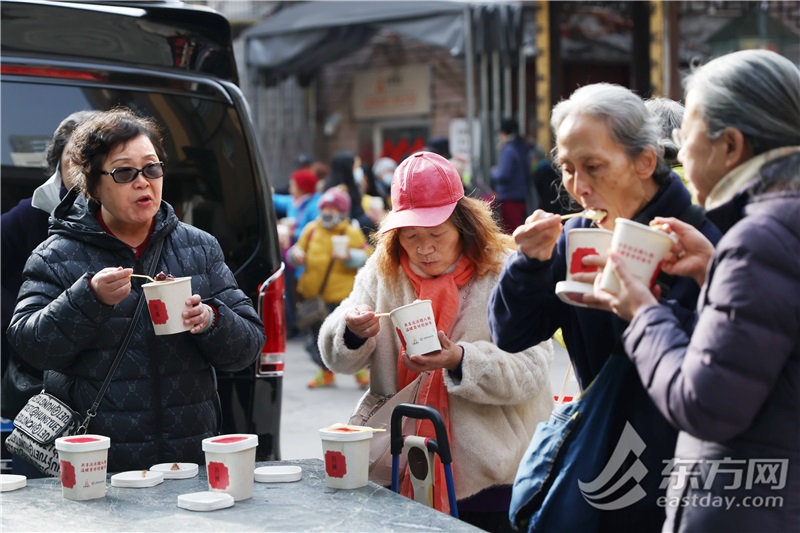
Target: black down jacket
point(162, 401)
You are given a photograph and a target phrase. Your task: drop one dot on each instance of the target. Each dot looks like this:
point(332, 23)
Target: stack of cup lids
point(205, 501)
point(9, 482)
point(137, 479)
point(176, 470)
point(278, 474)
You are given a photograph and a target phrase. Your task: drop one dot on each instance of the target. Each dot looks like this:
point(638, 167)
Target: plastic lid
point(137, 479)
point(572, 292)
point(277, 474)
point(232, 443)
point(338, 432)
point(205, 501)
point(9, 482)
point(83, 443)
point(176, 470)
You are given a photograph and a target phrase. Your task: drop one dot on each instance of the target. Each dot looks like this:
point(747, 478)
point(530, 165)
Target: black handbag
point(45, 418)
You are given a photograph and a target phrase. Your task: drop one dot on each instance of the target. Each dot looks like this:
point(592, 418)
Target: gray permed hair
point(629, 122)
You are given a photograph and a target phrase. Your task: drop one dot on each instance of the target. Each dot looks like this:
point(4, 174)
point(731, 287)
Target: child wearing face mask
point(315, 250)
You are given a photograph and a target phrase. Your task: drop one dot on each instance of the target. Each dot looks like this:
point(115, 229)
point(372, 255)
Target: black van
point(173, 62)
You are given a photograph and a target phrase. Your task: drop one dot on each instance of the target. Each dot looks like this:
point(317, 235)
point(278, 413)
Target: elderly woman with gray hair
point(669, 115)
point(608, 154)
point(731, 387)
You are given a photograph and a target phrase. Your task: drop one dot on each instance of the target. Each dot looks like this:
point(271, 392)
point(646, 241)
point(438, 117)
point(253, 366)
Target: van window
point(209, 177)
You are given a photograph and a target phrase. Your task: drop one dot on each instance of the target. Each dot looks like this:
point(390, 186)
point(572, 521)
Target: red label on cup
point(577, 260)
point(335, 464)
point(402, 339)
point(67, 474)
point(158, 311)
point(655, 274)
point(80, 440)
point(228, 440)
point(218, 476)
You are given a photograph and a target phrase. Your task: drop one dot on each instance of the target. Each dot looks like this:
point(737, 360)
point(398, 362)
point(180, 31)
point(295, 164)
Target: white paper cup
point(230, 462)
point(83, 460)
point(642, 248)
point(341, 244)
point(376, 204)
point(166, 301)
point(580, 243)
point(415, 325)
point(346, 453)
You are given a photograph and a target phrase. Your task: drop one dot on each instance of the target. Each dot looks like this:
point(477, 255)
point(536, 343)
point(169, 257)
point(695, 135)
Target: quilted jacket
point(162, 400)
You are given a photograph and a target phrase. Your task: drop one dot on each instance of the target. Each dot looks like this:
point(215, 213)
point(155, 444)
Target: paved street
point(305, 410)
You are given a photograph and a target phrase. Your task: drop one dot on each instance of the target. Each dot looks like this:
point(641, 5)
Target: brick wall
point(448, 92)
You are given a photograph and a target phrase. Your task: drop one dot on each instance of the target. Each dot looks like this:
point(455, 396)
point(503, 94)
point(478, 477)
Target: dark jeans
point(311, 341)
point(494, 521)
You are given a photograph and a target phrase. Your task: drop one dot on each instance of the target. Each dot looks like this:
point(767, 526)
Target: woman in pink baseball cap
point(437, 244)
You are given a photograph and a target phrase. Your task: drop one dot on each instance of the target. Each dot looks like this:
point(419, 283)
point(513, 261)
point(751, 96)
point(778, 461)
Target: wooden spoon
point(591, 214)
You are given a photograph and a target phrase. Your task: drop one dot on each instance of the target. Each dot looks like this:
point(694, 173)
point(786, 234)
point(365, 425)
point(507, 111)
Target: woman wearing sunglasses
point(78, 301)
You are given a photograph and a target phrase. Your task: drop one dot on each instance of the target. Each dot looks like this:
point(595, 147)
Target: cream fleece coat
point(494, 407)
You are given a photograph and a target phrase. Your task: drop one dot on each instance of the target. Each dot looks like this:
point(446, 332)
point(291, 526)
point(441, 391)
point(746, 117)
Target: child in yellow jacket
point(315, 250)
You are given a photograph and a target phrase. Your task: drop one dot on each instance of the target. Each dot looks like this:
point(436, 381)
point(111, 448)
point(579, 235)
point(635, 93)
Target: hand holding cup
point(632, 295)
point(196, 316)
point(448, 357)
point(691, 254)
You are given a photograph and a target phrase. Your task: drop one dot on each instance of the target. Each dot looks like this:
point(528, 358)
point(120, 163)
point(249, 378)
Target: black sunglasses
point(153, 171)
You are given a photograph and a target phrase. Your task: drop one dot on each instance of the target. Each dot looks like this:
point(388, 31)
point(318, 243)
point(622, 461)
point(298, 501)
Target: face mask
point(387, 179)
point(329, 220)
point(358, 175)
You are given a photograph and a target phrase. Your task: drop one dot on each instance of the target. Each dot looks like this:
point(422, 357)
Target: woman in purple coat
point(733, 387)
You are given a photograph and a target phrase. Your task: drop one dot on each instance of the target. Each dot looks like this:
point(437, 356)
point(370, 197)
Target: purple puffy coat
point(733, 389)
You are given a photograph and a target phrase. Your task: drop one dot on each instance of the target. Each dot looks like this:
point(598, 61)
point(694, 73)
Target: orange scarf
point(443, 293)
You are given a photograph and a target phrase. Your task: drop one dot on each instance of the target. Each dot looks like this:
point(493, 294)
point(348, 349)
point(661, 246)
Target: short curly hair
point(95, 138)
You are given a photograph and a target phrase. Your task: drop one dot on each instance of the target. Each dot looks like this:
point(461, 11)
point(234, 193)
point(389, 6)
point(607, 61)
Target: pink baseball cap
point(336, 198)
point(425, 191)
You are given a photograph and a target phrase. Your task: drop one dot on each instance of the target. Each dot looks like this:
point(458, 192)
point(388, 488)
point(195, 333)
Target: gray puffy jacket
point(162, 401)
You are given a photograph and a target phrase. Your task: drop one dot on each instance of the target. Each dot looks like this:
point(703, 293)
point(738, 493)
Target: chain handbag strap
point(84, 427)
